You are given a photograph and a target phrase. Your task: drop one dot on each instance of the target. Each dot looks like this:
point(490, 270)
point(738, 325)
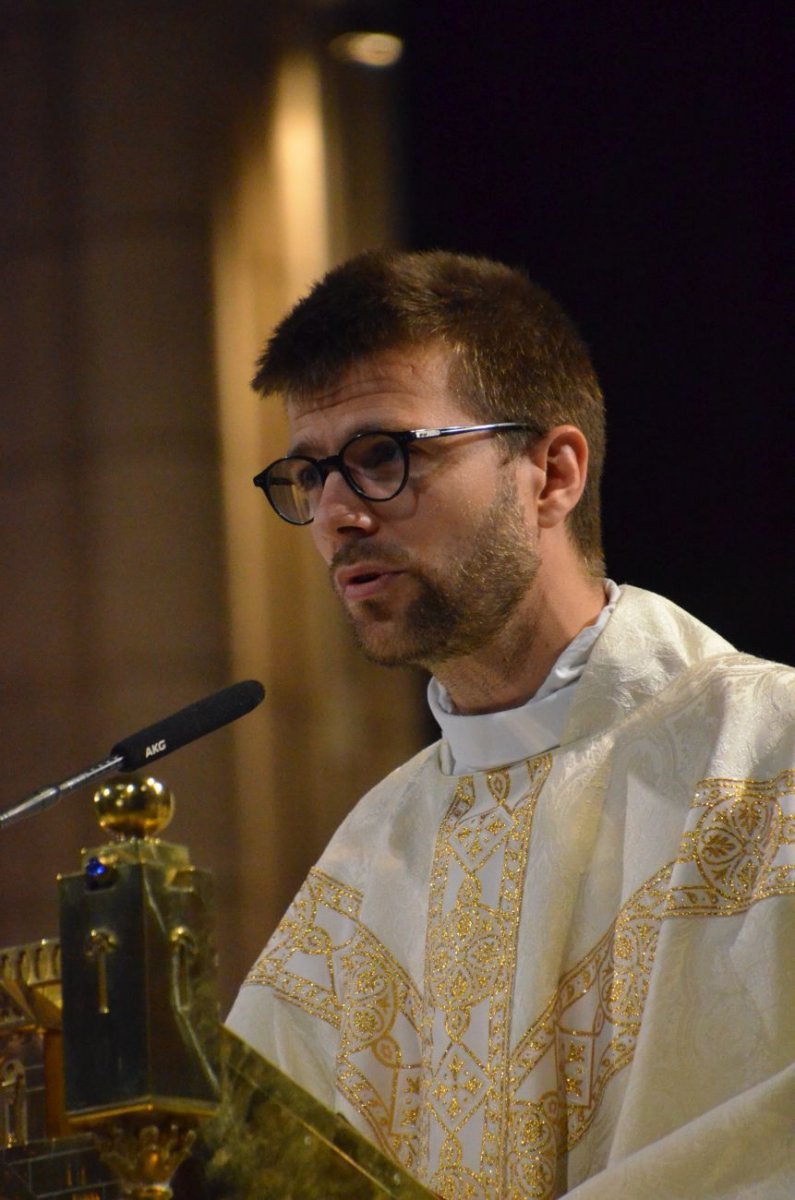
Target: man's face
point(437, 571)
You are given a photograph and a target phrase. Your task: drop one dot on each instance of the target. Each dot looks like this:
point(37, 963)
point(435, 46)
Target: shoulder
point(657, 645)
point(652, 659)
point(393, 820)
point(752, 702)
point(752, 690)
point(736, 710)
point(658, 672)
point(396, 789)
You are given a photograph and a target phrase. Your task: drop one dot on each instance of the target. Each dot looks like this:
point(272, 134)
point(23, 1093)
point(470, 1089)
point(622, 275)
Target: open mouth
point(361, 585)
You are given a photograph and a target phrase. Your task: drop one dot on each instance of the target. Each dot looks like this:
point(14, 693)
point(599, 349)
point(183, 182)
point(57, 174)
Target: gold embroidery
point(465, 954)
point(299, 961)
point(590, 1025)
point(735, 854)
point(426, 1078)
point(453, 1179)
point(376, 1070)
point(476, 883)
point(537, 1143)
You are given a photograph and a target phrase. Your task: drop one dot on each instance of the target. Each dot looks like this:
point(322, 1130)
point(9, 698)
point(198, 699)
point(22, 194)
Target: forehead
point(398, 389)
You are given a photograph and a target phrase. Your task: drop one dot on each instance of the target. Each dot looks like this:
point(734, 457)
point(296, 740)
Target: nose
point(339, 511)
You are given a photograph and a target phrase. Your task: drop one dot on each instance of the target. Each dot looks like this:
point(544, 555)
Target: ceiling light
point(367, 49)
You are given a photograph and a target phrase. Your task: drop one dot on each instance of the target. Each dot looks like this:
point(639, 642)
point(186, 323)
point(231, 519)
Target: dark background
point(633, 158)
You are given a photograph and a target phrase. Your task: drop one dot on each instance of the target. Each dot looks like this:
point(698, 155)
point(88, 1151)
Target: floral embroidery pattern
point(428, 1080)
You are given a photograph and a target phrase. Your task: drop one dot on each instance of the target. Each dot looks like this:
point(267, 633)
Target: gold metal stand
point(149, 1086)
point(140, 1013)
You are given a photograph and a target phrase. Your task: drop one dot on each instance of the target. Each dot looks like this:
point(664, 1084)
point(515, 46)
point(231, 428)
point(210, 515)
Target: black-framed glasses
point(375, 465)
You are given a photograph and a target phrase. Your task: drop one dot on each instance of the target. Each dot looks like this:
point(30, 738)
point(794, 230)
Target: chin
point(381, 643)
point(384, 651)
point(396, 651)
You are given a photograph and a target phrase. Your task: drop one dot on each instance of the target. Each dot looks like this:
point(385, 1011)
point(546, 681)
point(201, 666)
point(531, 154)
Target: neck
point(511, 668)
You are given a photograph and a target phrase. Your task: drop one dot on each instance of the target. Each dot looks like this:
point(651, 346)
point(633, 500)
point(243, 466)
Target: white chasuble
point(575, 971)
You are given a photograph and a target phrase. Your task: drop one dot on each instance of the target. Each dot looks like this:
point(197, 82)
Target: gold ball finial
point(133, 808)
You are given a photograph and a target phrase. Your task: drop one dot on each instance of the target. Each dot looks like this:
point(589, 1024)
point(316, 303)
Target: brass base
point(144, 1158)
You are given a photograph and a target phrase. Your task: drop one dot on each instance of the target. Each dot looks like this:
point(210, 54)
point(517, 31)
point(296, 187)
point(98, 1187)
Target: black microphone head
point(204, 716)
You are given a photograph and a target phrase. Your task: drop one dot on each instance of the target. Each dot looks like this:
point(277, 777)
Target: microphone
point(151, 743)
point(204, 716)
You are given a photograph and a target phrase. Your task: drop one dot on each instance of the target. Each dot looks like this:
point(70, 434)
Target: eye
point(299, 473)
point(375, 453)
point(305, 475)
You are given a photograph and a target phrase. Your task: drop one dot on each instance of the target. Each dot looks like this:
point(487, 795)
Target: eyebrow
point(304, 449)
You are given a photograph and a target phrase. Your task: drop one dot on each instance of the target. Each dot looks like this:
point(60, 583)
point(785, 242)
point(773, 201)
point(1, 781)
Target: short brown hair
point(515, 355)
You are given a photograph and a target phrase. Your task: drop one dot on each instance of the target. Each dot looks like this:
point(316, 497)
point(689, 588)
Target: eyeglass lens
point(374, 464)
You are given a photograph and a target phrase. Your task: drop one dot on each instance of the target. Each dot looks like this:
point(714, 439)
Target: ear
point(562, 456)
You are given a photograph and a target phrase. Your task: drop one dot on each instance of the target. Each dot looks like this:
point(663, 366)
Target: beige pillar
point(150, 240)
point(334, 724)
point(113, 608)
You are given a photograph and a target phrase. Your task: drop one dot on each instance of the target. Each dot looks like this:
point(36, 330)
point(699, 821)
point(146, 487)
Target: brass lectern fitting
point(133, 808)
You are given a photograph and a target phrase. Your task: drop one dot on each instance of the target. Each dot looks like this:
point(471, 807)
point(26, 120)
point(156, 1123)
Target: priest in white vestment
point(552, 954)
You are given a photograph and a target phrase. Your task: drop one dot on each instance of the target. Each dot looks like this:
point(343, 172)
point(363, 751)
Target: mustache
point(381, 556)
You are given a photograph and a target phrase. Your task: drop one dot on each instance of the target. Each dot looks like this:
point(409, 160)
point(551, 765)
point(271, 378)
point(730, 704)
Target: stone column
point(113, 600)
point(149, 244)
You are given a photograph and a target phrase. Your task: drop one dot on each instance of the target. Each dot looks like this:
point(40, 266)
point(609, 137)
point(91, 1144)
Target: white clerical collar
point(486, 740)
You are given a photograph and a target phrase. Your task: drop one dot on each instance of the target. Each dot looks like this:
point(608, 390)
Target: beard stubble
point(459, 606)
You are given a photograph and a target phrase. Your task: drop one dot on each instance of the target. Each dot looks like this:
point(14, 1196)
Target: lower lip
point(370, 587)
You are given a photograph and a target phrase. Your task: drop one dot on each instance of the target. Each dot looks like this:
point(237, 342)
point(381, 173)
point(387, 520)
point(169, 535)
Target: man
point(549, 953)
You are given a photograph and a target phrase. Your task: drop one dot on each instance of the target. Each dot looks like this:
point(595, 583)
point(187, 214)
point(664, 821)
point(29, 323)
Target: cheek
point(454, 517)
point(408, 505)
point(321, 541)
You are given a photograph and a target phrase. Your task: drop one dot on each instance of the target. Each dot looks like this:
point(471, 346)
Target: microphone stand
point(151, 743)
point(48, 796)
